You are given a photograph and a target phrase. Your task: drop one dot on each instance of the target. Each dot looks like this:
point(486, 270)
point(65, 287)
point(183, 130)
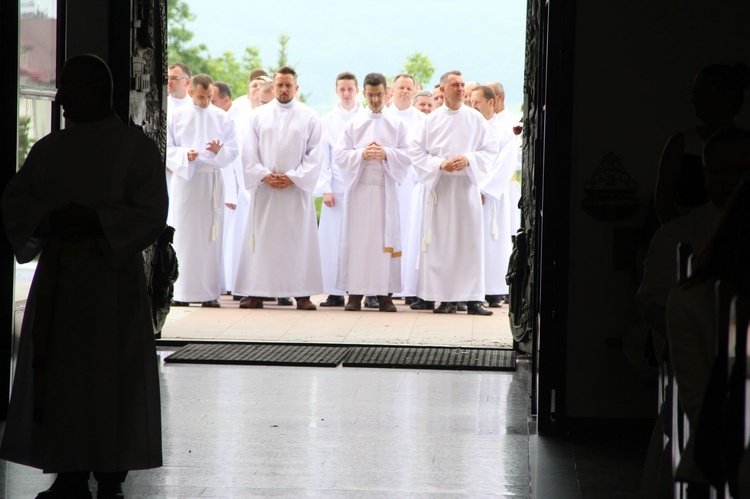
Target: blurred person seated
point(691, 310)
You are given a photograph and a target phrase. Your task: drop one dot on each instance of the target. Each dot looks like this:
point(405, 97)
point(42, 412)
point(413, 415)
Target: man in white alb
point(251, 100)
point(508, 120)
point(233, 178)
point(200, 142)
point(437, 97)
point(330, 185)
point(281, 159)
point(403, 90)
point(497, 233)
point(372, 154)
point(423, 101)
point(178, 82)
point(452, 153)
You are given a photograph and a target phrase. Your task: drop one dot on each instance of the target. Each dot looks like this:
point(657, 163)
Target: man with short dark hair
point(437, 97)
point(373, 158)
point(200, 142)
point(222, 96)
point(178, 82)
point(452, 153)
point(331, 187)
point(497, 206)
point(281, 161)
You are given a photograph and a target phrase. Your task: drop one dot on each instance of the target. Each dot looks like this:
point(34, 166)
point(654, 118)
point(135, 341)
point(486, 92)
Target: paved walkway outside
point(334, 325)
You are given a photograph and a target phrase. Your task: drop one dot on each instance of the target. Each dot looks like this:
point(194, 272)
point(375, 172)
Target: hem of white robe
point(279, 294)
point(197, 298)
point(333, 291)
point(369, 291)
point(435, 297)
point(502, 290)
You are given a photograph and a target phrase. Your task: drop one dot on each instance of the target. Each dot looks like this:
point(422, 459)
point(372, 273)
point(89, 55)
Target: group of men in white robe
point(418, 201)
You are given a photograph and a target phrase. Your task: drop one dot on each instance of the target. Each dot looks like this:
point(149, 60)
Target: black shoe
point(109, 485)
point(238, 297)
point(371, 302)
point(284, 302)
point(385, 304)
point(180, 304)
point(476, 308)
point(446, 307)
point(333, 301)
point(421, 304)
point(74, 485)
point(494, 301)
point(266, 298)
point(114, 492)
point(461, 306)
point(211, 304)
point(408, 300)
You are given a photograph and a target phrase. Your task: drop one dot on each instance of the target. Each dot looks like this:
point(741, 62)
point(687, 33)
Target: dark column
point(8, 149)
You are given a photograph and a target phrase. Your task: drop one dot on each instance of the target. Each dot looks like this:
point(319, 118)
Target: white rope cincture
point(251, 242)
point(218, 195)
point(431, 202)
point(495, 230)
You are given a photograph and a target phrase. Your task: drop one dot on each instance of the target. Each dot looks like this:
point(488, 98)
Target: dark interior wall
point(87, 30)
point(635, 62)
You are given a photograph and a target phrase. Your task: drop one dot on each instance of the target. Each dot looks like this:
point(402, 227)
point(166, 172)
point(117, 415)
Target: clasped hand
point(455, 164)
point(374, 151)
point(277, 180)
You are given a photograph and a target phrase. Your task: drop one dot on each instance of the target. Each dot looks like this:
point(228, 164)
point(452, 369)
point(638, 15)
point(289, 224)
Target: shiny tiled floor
point(246, 431)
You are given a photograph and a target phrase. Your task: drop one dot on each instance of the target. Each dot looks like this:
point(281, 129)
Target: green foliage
point(283, 59)
point(226, 67)
point(419, 67)
point(24, 142)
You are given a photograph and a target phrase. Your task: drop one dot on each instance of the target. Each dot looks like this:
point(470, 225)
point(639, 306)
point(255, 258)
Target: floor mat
point(432, 358)
point(259, 354)
point(490, 359)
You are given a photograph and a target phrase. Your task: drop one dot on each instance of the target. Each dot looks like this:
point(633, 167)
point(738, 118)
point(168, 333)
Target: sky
point(485, 42)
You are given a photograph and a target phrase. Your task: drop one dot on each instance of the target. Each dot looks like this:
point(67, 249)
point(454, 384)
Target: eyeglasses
point(176, 78)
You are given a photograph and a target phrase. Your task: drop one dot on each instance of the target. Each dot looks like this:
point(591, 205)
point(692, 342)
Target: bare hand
point(192, 155)
point(517, 129)
point(460, 162)
point(284, 181)
point(277, 181)
point(231, 206)
point(214, 146)
point(374, 151)
point(329, 200)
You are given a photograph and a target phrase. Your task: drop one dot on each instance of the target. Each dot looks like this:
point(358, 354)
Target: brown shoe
point(304, 303)
point(353, 303)
point(251, 302)
point(385, 304)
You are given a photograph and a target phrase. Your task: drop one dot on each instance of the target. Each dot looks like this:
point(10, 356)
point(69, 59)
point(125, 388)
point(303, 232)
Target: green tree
point(179, 37)
point(226, 67)
point(419, 67)
point(283, 60)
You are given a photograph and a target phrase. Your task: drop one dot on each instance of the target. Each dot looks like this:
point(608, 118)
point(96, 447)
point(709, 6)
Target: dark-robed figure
point(88, 200)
